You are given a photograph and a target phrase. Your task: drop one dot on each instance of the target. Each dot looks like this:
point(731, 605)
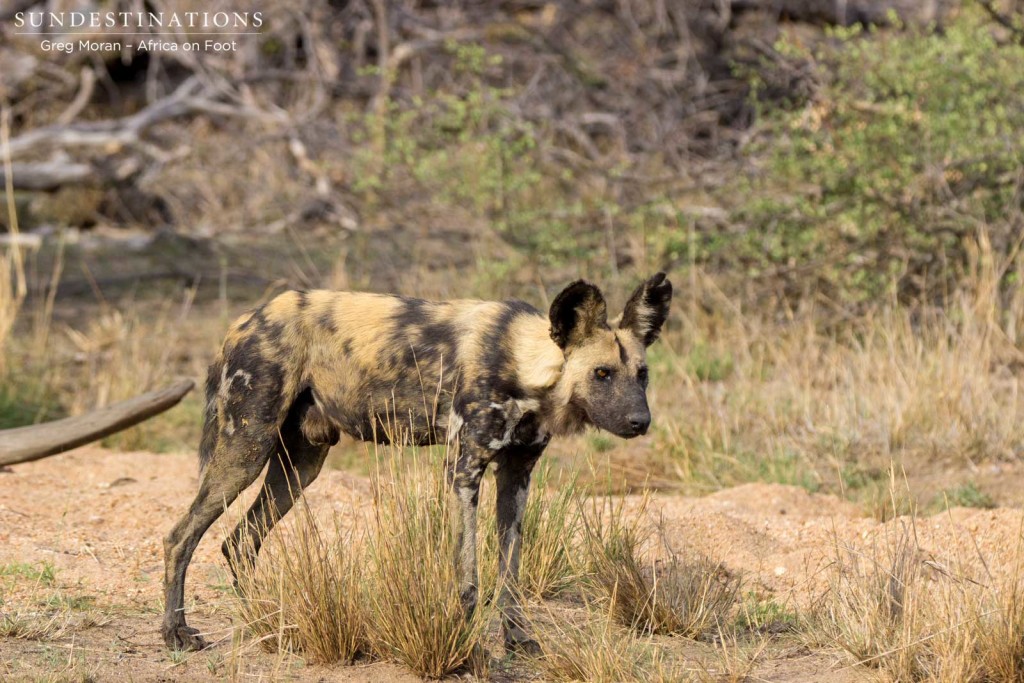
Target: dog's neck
point(562, 414)
point(539, 363)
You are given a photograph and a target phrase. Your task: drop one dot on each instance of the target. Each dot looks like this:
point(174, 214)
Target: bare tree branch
point(192, 96)
point(88, 84)
point(25, 444)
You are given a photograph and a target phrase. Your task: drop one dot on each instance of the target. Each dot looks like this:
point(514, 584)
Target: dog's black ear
point(576, 313)
point(647, 309)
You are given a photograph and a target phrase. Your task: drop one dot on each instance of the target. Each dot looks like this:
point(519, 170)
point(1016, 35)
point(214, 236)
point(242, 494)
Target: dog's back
point(373, 366)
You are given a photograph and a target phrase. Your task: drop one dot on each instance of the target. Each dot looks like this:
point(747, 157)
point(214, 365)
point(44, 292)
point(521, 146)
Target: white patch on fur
point(453, 427)
point(528, 405)
point(510, 425)
point(513, 412)
point(466, 494)
point(224, 393)
point(227, 382)
point(644, 318)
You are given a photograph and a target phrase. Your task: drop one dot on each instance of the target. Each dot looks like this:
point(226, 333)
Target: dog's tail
point(211, 425)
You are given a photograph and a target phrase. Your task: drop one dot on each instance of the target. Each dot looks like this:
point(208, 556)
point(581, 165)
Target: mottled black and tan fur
point(494, 380)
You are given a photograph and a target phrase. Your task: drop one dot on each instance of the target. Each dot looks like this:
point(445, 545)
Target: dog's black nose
point(639, 423)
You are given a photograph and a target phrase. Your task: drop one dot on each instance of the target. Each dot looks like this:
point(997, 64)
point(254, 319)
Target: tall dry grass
point(829, 405)
point(596, 648)
point(383, 584)
point(13, 288)
point(122, 352)
point(116, 353)
point(413, 589)
point(10, 306)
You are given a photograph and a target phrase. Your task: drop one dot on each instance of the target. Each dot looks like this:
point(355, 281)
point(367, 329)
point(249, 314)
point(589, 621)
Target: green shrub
point(464, 148)
point(965, 495)
point(877, 184)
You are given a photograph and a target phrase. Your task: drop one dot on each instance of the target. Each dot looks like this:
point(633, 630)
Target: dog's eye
point(603, 373)
point(641, 375)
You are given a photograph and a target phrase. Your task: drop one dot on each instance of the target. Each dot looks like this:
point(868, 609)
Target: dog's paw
point(468, 599)
point(524, 646)
point(184, 638)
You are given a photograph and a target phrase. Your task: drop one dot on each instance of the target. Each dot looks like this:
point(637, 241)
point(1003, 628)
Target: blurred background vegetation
point(835, 189)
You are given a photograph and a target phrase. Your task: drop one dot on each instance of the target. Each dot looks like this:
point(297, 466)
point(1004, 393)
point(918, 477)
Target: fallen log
point(24, 444)
point(50, 176)
point(112, 133)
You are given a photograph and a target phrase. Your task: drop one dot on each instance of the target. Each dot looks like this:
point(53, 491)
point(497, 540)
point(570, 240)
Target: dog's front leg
point(467, 472)
point(513, 482)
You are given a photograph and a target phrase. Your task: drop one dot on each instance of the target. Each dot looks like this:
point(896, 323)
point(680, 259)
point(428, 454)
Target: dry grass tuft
point(10, 306)
point(33, 606)
point(1001, 643)
point(672, 597)
point(869, 607)
point(921, 622)
point(305, 593)
point(117, 353)
point(13, 288)
point(118, 356)
point(120, 353)
point(552, 537)
point(392, 593)
point(413, 586)
point(598, 650)
point(35, 624)
point(733, 661)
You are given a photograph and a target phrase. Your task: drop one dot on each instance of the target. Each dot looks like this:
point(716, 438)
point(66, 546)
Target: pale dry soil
point(98, 517)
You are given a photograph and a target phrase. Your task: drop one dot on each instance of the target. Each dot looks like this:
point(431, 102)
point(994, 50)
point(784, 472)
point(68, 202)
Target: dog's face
point(605, 364)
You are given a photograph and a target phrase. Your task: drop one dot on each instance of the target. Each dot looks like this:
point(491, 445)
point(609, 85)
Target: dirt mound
point(782, 538)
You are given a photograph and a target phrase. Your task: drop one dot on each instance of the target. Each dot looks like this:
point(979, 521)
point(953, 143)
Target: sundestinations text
point(137, 19)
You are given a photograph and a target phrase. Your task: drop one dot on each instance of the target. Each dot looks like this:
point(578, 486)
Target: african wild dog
point(494, 380)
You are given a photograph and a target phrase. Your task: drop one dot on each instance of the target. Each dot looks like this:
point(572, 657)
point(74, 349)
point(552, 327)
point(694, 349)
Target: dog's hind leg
point(289, 473)
point(296, 465)
point(232, 468)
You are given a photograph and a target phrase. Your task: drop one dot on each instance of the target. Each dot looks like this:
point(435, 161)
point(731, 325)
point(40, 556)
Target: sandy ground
point(99, 518)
